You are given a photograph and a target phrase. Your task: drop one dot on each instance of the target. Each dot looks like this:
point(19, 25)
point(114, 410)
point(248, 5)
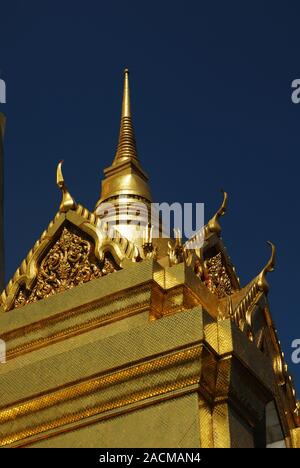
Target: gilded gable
point(71, 261)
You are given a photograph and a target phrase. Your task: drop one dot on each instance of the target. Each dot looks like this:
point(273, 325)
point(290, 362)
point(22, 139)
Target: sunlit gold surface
point(217, 279)
point(170, 324)
point(262, 281)
point(67, 203)
point(69, 263)
point(176, 252)
point(213, 225)
point(295, 434)
point(125, 183)
point(127, 145)
point(125, 176)
point(97, 384)
point(26, 275)
point(86, 413)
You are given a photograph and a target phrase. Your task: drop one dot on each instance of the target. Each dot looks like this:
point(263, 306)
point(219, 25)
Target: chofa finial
point(67, 203)
point(270, 266)
point(214, 225)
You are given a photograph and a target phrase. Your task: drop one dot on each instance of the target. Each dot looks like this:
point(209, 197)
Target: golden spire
point(126, 146)
point(126, 112)
point(125, 183)
point(125, 177)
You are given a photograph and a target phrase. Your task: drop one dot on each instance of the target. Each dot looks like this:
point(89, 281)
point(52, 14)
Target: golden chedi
point(117, 339)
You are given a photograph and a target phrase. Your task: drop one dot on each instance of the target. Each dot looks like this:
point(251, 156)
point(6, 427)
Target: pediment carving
point(69, 262)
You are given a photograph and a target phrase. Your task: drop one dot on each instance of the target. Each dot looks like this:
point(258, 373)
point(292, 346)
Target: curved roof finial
point(270, 266)
point(213, 224)
point(67, 203)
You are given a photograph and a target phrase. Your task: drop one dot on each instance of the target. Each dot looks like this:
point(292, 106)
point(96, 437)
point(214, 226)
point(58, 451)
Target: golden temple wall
point(130, 359)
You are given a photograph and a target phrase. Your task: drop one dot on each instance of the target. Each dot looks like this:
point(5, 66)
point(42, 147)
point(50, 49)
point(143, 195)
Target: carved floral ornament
point(217, 279)
point(69, 263)
point(71, 251)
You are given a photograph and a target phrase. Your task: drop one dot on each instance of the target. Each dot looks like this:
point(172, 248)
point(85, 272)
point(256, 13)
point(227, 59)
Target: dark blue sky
point(211, 92)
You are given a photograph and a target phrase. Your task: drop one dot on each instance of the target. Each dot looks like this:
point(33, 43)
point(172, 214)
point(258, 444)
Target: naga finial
point(67, 203)
point(176, 252)
point(150, 251)
point(270, 266)
point(213, 224)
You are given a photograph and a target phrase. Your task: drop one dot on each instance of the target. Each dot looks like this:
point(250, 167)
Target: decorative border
point(75, 329)
point(95, 385)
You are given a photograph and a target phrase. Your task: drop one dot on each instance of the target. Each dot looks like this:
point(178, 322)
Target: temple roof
point(74, 248)
point(78, 247)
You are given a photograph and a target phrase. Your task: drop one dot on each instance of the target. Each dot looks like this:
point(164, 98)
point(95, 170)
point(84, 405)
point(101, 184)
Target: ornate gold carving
point(68, 263)
point(217, 279)
point(119, 247)
point(242, 313)
point(280, 368)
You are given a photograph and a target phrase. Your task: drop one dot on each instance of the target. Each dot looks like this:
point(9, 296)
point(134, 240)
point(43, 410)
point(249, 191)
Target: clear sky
point(211, 95)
